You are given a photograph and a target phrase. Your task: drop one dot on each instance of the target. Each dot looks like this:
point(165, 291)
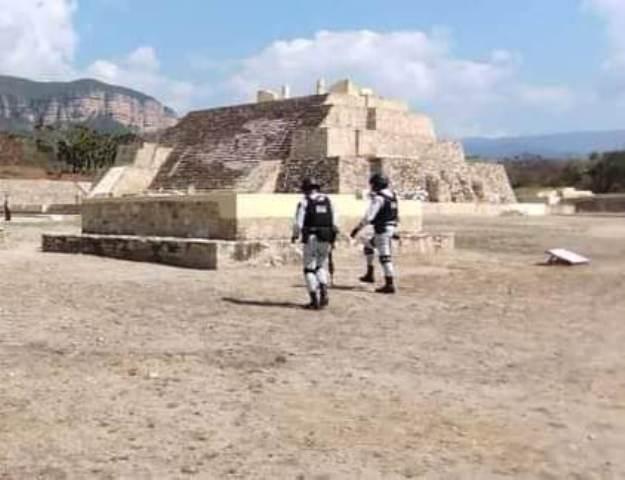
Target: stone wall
point(134, 178)
point(442, 171)
point(199, 254)
point(491, 183)
point(325, 170)
point(404, 123)
point(213, 254)
point(262, 179)
point(354, 173)
point(186, 217)
point(43, 192)
point(390, 144)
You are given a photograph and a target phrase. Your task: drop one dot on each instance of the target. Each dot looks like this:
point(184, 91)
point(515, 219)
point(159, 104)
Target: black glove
point(294, 239)
point(354, 233)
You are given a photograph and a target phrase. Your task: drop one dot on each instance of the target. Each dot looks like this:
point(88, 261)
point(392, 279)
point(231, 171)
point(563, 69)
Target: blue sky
point(480, 67)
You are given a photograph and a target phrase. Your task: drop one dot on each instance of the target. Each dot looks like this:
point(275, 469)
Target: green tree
point(81, 149)
point(607, 172)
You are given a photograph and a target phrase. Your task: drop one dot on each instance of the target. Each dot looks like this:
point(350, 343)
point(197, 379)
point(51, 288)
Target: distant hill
point(25, 104)
point(559, 145)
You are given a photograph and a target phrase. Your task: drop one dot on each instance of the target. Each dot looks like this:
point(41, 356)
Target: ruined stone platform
point(195, 253)
point(340, 137)
point(205, 254)
point(218, 229)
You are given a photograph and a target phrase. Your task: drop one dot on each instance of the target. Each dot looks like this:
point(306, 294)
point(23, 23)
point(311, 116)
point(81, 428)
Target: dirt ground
point(485, 366)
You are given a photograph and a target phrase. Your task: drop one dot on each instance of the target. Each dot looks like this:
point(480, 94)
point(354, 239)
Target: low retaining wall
point(55, 209)
point(43, 192)
point(195, 253)
point(485, 209)
point(211, 254)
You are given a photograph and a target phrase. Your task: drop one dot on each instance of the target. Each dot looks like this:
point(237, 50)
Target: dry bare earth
point(486, 366)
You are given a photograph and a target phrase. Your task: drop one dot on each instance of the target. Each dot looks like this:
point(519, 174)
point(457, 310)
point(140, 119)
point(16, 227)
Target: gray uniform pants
point(382, 243)
point(316, 257)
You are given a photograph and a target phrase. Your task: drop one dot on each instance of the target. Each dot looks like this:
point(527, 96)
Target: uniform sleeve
point(375, 204)
point(335, 217)
point(298, 223)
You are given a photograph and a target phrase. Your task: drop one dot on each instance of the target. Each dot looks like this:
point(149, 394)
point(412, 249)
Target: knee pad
point(385, 259)
point(309, 270)
point(369, 250)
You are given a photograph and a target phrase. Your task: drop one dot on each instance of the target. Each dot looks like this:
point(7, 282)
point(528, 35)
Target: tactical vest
point(318, 219)
point(388, 216)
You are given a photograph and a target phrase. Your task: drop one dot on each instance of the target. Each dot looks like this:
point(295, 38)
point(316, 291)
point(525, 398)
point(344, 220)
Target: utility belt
point(323, 234)
point(380, 228)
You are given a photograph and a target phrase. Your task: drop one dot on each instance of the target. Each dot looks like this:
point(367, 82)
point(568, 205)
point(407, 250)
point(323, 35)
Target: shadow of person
point(339, 288)
point(261, 303)
point(348, 288)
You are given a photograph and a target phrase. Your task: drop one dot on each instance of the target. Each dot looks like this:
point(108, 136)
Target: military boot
point(389, 286)
point(368, 277)
point(314, 302)
point(324, 301)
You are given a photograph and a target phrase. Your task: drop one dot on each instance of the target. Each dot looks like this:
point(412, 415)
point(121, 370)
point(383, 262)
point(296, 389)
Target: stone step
point(213, 254)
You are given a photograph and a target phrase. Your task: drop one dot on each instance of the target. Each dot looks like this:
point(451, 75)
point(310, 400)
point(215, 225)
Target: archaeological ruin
point(221, 185)
point(340, 136)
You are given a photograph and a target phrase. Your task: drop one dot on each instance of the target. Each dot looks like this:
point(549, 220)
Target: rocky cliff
point(25, 104)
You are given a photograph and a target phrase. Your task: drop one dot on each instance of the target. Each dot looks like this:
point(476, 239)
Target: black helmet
point(378, 182)
point(309, 184)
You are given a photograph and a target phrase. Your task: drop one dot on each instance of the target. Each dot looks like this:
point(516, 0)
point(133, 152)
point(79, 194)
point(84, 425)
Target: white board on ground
point(563, 256)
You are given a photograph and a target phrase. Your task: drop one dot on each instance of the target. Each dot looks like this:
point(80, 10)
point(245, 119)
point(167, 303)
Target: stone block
point(212, 254)
point(43, 192)
point(167, 216)
point(181, 252)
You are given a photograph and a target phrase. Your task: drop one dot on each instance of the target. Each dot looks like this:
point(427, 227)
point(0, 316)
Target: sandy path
point(485, 366)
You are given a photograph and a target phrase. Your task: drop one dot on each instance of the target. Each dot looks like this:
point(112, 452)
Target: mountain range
point(25, 104)
point(557, 145)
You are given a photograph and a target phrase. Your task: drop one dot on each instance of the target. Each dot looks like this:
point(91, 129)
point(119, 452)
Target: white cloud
point(37, 38)
point(141, 70)
point(559, 98)
point(412, 65)
point(612, 12)
point(144, 58)
point(408, 63)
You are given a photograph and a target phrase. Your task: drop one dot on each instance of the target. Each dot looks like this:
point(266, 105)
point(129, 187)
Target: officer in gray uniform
point(383, 214)
point(316, 225)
